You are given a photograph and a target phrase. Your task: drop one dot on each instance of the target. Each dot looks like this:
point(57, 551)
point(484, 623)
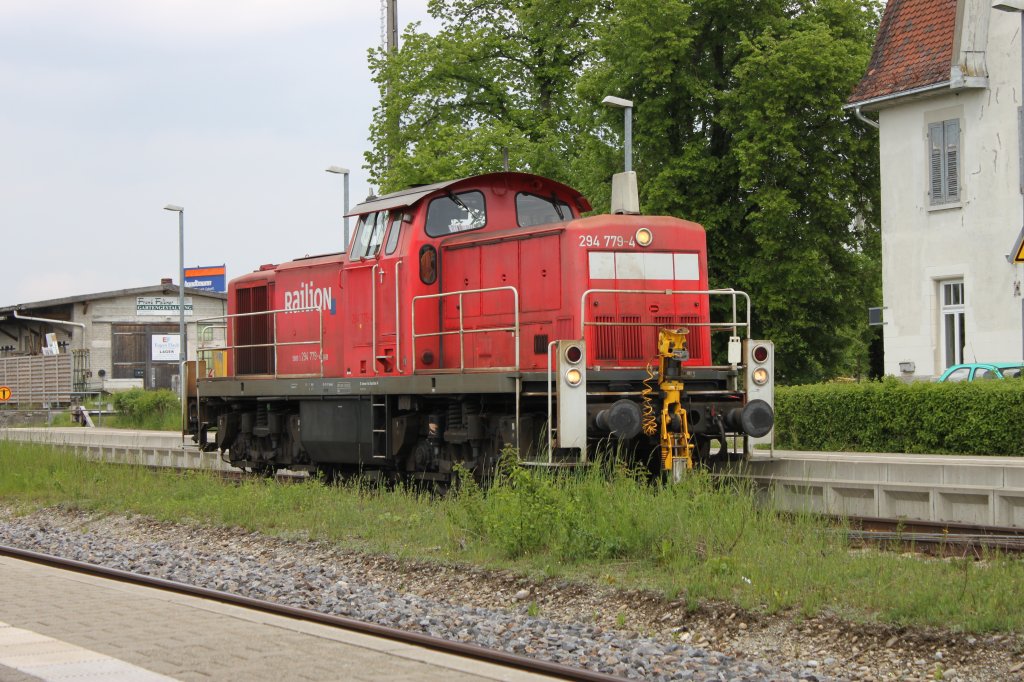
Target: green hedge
point(977, 418)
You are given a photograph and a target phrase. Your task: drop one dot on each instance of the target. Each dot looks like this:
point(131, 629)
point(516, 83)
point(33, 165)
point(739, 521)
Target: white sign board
point(166, 347)
point(161, 306)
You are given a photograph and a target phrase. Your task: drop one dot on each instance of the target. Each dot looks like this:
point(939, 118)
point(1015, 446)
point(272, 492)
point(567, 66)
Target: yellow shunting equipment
point(674, 428)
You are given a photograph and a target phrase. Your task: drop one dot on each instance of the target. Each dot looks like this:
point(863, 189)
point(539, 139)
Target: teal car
point(975, 371)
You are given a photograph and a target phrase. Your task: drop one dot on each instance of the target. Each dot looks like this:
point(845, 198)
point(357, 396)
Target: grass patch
point(137, 408)
point(703, 539)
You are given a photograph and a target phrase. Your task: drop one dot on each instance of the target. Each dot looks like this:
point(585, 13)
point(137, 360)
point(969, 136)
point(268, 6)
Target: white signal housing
point(759, 357)
point(571, 395)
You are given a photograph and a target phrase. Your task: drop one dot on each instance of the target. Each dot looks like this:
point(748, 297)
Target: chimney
point(166, 281)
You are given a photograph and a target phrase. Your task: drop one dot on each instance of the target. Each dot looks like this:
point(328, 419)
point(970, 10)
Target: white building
point(945, 80)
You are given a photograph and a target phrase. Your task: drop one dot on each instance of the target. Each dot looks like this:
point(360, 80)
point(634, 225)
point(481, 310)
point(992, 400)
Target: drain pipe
point(862, 117)
point(46, 319)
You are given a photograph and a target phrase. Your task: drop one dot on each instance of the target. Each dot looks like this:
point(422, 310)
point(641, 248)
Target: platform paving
point(68, 626)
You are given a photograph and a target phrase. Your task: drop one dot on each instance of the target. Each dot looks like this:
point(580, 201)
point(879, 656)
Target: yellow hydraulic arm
point(674, 429)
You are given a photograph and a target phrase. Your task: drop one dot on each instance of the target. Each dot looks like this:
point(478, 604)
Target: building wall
point(923, 245)
point(99, 316)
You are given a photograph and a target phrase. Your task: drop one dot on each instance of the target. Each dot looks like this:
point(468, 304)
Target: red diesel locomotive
point(478, 313)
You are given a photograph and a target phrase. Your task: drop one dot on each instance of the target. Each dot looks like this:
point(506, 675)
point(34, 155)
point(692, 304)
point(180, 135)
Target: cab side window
point(456, 213)
point(396, 231)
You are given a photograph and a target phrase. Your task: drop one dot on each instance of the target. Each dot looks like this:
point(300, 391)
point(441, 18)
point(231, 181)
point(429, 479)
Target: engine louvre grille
point(626, 340)
point(254, 335)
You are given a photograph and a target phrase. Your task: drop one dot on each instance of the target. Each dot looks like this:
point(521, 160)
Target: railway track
point(470, 651)
point(944, 539)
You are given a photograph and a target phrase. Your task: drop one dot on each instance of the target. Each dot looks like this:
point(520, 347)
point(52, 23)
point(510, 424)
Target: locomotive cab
point(472, 314)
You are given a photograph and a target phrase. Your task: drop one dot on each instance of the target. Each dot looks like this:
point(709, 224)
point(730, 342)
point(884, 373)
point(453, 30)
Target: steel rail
point(472, 651)
point(934, 534)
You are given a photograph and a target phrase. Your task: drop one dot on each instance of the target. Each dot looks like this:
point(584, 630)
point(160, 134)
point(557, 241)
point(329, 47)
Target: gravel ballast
point(636, 636)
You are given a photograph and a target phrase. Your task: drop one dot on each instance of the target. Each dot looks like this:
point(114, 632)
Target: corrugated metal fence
point(37, 379)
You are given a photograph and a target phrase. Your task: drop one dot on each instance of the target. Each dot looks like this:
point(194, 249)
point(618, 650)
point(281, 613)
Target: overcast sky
point(111, 109)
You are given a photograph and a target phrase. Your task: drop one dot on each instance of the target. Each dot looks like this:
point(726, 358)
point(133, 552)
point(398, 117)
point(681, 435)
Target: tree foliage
point(738, 124)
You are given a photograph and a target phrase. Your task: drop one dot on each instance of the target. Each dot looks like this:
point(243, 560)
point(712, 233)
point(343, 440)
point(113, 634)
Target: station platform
point(123, 446)
point(60, 625)
point(954, 489)
point(951, 489)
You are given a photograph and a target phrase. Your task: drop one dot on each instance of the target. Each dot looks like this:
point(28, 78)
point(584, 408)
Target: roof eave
point(136, 291)
point(884, 101)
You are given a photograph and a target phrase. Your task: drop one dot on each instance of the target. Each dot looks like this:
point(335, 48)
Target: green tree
point(738, 124)
point(498, 77)
point(809, 178)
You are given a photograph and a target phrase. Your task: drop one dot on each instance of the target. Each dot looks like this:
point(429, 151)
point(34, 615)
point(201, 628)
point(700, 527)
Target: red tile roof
point(914, 48)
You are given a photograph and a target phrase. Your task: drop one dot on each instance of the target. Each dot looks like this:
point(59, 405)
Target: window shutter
point(952, 140)
point(935, 162)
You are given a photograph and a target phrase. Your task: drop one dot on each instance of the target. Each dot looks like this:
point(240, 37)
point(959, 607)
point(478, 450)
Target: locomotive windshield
point(536, 210)
point(456, 213)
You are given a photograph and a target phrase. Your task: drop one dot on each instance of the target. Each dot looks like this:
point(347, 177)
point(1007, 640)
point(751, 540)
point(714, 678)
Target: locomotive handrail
point(274, 343)
point(734, 325)
point(398, 318)
point(462, 331)
point(209, 328)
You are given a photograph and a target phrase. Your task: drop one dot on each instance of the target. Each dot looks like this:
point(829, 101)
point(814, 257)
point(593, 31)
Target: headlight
point(574, 354)
point(760, 353)
point(644, 237)
point(760, 376)
point(573, 377)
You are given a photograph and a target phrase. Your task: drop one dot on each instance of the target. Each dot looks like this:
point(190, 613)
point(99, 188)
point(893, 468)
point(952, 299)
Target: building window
point(953, 321)
point(944, 162)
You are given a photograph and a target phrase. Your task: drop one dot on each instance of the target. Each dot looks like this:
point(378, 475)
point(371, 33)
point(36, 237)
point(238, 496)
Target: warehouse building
point(109, 341)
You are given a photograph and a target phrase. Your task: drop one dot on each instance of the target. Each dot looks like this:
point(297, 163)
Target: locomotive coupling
point(756, 418)
point(623, 419)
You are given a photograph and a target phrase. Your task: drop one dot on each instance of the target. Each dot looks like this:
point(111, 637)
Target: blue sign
point(207, 278)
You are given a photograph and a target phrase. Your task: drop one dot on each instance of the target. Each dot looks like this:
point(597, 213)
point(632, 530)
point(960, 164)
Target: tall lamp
point(627, 105)
point(181, 313)
point(338, 170)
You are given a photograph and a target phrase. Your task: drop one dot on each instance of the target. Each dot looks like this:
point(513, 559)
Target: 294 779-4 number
point(607, 241)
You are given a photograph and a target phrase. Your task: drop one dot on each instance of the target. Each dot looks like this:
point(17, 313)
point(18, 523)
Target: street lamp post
point(627, 105)
point(338, 170)
point(181, 309)
point(1018, 7)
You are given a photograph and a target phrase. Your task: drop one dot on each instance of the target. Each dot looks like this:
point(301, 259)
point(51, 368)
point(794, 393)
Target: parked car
point(974, 371)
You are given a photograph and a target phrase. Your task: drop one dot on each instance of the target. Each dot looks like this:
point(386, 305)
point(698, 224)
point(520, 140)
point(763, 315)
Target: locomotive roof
point(410, 195)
